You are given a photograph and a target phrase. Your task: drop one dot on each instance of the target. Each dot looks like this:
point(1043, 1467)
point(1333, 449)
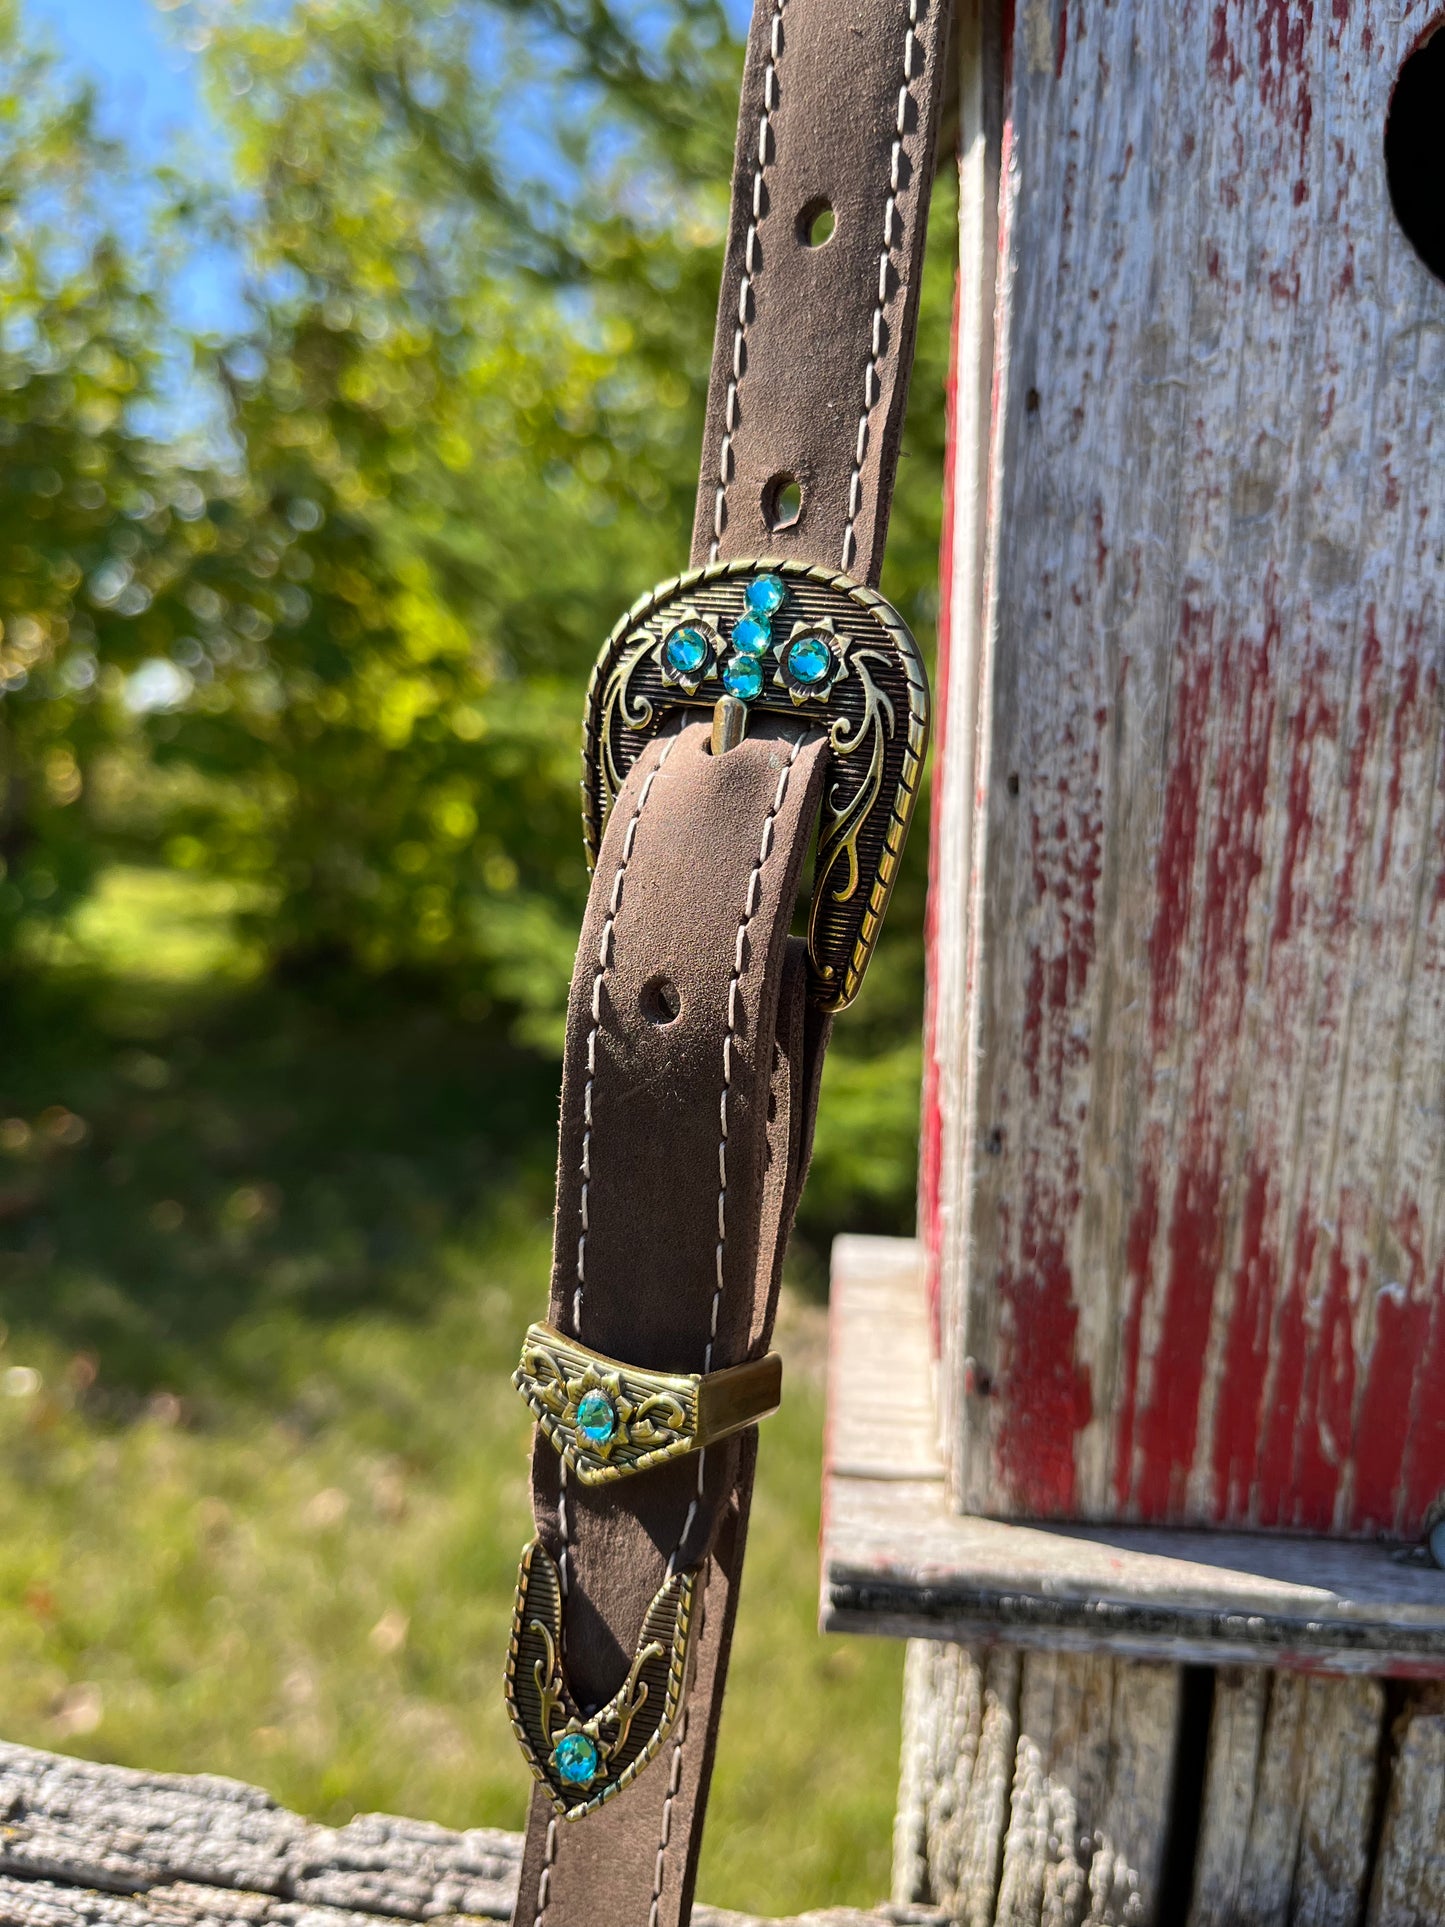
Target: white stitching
point(604, 961)
point(674, 1781)
point(544, 1879)
point(751, 899)
point(750, 270)
point(754, 891)
point(872, 386)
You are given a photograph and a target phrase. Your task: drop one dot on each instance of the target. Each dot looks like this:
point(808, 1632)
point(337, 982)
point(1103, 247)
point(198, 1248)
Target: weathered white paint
point(898, 1558)
point(1042, 1774)
point(1188, 978)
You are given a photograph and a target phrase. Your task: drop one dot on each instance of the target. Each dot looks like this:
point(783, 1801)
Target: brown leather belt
point(766, 695)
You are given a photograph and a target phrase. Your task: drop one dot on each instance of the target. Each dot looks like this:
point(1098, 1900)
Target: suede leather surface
point(690, 1140)
point(840, 105)
point(684, 1143)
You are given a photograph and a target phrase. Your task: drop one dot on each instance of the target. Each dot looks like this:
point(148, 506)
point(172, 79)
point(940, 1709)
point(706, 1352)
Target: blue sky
point(133, 50)
point(149, 91)
point(148, 88)
point(147, 80)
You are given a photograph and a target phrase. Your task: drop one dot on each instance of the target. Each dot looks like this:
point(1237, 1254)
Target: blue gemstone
point(809, 660)
point(743, 678)
point(752, 634)
point(685, 651)
point(596, 1417)
point(765, 594)
point(575, 1759)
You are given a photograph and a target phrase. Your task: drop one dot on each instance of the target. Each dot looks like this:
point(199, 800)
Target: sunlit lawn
point(264, 1262)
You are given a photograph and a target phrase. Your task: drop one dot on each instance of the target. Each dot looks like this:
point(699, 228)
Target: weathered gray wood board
point(1409, 1879)
point(1186, 1068)
point(898, 1559)
point(1289, 1802)
point(1041, 1789)
point(1051, 1781)
point(1036, 1789)
point(84, 1844)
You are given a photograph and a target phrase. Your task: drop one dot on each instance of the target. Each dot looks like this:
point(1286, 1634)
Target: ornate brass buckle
point(608, 1420)
point(789, 640)
point(586, 1762)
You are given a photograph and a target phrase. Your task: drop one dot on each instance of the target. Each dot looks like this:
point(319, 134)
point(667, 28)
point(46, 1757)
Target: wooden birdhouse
point(1153, 1418)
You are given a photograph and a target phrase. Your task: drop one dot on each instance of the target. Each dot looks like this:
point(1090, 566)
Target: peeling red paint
point(1383, 1422)
point(1234, 859)
point(930, 1147)
point(1224, 62)
point(1271, 1503)
point(1322, 1423)
point(1424, 1462)
point(1138, 1258)
point(1284, 28)
point(1174, 875)
point(1246, 1354)
point(1220, 985)
point(1402, 720)
point(1043, 1391)
point(1313, 722)
point(1169, 1421)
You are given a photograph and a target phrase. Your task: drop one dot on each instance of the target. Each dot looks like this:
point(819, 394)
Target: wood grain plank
point(1040, 1787)
point(897, 1559)
point(1303, 1818)
point(960, 1731)
point(1409, 1883)
point(1189, 996)
point(83, 1845)
point(1290, 1801)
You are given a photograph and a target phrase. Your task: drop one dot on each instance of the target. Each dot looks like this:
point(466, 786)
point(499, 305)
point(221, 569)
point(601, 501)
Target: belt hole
point(816, 223)
point(783, 503)
point(1412, 151)
point(659, 1001)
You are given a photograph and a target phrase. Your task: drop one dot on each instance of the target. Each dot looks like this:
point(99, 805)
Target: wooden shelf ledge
point(104, 1846)
point(898, 1560)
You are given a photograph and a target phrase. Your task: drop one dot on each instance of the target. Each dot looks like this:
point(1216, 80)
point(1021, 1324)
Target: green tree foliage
point(98, 520)
point(339, 656)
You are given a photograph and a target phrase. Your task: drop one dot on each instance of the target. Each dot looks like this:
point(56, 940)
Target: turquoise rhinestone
point(685, 651)
point(743, 678)
point(596, 1418)
point(574, 1758)
point(765, 594)
point(809, 660)
point(752, 634)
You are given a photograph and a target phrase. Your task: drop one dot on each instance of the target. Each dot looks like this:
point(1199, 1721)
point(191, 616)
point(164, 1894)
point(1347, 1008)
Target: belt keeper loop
point(607, 1419)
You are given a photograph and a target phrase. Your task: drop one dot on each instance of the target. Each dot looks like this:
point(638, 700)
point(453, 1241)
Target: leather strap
point(840, 107)
point(693, 1053)
point(683, 1147)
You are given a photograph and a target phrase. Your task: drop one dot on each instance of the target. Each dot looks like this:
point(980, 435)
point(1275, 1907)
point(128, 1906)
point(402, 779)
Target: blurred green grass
point(265, 1255)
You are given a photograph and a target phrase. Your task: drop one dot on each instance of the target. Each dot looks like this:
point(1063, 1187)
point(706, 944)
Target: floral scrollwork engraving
point(605, 1420)
point(584, 1760)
